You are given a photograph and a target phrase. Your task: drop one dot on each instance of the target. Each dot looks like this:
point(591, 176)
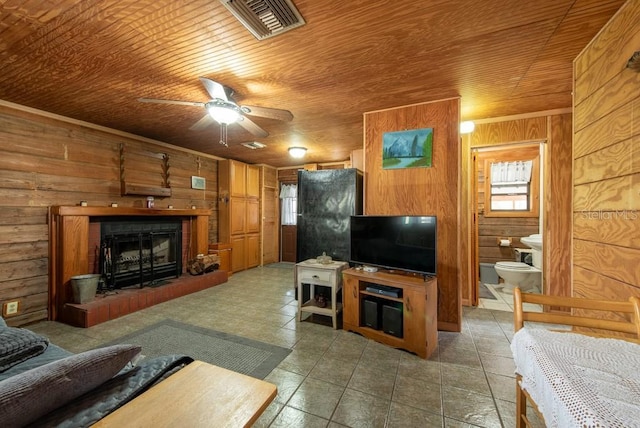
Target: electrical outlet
point(11, 308)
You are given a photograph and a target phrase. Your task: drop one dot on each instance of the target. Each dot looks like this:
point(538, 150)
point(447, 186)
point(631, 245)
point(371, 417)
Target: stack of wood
point(203, 264)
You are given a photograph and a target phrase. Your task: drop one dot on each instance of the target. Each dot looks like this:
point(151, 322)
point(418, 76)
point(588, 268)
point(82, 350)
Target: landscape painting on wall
point(407, 149)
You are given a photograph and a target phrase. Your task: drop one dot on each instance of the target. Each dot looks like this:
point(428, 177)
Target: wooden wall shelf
point(131, 189)
point(137, 185)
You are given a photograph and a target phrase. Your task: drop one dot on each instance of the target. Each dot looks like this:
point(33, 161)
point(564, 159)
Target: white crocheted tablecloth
point(577, 380)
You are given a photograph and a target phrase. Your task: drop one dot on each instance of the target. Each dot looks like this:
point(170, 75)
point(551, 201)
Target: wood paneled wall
point(423, 191)
point(606, 197)
point(557, 218)
point(49, 160)
point(287, 175)
point(552, 128)
point(491, 229)
point(290, 174)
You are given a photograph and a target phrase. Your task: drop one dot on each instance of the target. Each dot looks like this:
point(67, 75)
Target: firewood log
point(203, 264)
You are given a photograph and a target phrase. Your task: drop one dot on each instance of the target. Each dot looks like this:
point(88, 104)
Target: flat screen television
point(406, 243)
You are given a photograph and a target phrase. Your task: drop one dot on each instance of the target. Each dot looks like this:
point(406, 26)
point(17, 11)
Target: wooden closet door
point(237, 208)
point(252, 210)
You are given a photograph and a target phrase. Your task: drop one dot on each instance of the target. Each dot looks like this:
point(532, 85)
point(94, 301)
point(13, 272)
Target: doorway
point(288, 221)
point(504, 211)
point(288, 244)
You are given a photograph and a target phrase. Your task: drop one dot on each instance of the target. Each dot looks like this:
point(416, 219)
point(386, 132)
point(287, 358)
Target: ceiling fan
point(223, 109)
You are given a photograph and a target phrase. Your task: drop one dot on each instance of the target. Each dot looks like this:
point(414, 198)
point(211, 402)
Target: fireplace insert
point(140, 252)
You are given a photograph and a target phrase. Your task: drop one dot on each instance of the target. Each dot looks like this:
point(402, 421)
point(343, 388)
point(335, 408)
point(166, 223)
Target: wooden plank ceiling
point(92, 59)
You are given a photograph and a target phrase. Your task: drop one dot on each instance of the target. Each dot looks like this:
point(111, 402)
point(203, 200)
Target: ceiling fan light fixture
point(226, 113)
point(297, 152)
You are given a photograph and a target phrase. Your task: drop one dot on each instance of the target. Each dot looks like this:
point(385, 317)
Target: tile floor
point(334, 378)
point(503, 301)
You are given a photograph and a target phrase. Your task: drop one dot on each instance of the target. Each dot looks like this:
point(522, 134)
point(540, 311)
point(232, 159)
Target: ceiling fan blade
point(270, 113)
point(203, 123)
point(252, 127)
point(215, 89)
point(158, 101)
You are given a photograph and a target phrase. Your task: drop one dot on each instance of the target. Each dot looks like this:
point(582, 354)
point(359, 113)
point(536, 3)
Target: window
point(511, 185)
point(289, 204)
point(510, 197)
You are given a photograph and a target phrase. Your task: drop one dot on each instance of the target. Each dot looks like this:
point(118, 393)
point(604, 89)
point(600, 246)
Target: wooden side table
point(318, 274)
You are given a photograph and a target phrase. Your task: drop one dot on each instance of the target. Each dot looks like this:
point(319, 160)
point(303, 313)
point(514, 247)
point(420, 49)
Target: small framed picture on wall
point(407, 149)
point(199, 183)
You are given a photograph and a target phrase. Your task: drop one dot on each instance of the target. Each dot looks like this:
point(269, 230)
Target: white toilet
point(518, 274)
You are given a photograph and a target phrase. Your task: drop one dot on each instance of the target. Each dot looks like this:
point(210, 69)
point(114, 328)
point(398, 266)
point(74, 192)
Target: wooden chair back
point(629, 322)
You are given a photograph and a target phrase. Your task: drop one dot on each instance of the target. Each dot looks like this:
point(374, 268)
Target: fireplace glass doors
point(140, 252)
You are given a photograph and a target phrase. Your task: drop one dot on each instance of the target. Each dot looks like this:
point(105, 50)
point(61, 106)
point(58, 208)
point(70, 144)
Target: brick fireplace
point(77, 239)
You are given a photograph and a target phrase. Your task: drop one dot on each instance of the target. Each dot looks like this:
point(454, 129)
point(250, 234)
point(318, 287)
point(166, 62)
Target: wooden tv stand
point(419, 308)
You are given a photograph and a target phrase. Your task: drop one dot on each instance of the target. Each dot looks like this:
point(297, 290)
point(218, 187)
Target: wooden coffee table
point(199, 395)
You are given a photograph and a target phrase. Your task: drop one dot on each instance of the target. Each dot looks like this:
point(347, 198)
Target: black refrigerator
point(326, 201)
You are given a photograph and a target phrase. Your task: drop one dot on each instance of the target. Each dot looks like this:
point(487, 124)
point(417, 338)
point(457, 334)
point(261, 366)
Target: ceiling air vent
point(265, 18)
point(254, 145)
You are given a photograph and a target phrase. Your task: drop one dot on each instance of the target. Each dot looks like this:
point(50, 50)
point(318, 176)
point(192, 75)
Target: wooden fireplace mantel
point(69, 242)
point(117, 211)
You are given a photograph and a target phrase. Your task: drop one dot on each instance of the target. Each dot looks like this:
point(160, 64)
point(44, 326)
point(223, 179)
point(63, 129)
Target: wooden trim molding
point(555, 112)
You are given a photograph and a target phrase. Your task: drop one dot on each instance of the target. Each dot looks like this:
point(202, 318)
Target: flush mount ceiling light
point(297, 152)
point(467, 127)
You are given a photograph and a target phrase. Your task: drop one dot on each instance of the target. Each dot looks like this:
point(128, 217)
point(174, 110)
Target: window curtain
point(511, 172)
point(289, 204)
